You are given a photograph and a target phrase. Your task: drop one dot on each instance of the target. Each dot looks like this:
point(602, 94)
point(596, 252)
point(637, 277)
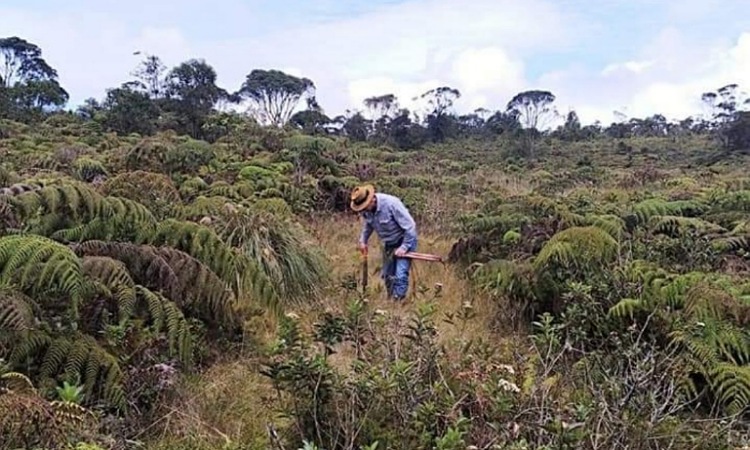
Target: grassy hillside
point(166, 292)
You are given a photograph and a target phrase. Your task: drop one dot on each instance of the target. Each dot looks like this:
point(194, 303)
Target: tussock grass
point(225, 407)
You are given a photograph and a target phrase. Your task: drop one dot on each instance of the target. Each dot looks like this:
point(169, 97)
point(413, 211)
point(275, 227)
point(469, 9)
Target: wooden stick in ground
point(364, 273)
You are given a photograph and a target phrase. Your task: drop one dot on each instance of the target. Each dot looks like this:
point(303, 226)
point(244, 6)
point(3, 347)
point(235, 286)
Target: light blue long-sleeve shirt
point(391, 220)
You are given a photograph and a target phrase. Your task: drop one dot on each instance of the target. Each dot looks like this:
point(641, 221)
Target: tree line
point(188, 100)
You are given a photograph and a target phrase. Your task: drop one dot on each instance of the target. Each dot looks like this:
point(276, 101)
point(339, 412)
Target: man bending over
point(390, 219)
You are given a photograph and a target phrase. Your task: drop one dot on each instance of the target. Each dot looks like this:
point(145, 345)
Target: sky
point(638, 57)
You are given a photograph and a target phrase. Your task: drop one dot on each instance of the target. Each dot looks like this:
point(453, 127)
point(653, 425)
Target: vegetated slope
point(127, 262)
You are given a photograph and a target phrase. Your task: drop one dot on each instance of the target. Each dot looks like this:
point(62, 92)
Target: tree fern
point(612, 224)
point(734, 201)
point(198, 241)
point(69, 201)
point(74, 357)
point(74, 211)
point(543, 206)
point(154, 190)
point(732, 243)
point(113, 275)
point(223, 189)
point(133, 301)
point(644, 211)
point(179, 276)
point(704, 321)
point(678, 225)
point(527, 290)
point(166, 316)
point(732, 384)
point(36, 264)
point(203, 206)
point(579, 248)
point(87, 169)
point(119, 218)
point(244, 275)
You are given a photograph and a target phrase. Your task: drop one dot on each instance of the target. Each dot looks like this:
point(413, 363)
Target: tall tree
point(725, 102)
point(127, 110)
point(29, 84)
point(728, 107)
point(150, 73)
point(191, 94)
point(21, 62)
point(275, 94)
point(382, 106)
point(440, 123)
point(534, 108)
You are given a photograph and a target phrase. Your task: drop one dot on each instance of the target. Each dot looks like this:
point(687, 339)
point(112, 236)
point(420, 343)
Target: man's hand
point(400, 252)
point(362, 248)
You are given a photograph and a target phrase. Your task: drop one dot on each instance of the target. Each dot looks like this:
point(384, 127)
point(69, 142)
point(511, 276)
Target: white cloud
point(488, 69)
point(667, 77)
point(680, 98)
point(635, 67)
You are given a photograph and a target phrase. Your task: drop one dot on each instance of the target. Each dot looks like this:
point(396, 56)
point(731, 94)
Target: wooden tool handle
point(423, 256)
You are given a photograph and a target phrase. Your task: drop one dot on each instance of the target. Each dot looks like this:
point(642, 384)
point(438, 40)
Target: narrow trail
point(338, 238)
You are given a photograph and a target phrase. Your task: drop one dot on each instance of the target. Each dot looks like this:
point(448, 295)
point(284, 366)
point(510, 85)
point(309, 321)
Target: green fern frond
point(203, 206)
point(627, 307)
point(645, 210)
point(223, 189)
point(678, 225)
point(198, 241)
point(734, 201)
point(526, 289)
point(578, 247)
point(37, 264)
point(166, 316)
point(87, 169)
point(119, 218)
point(68, 201)
point(732, 243)
point(612, 224)
point(192, 187)
point(154, 190)
point(732, 385)
point(75, 357)
point(740, 227)
point(541, 206)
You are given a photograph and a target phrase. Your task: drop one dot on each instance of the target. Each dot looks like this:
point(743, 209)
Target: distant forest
point(187, 99)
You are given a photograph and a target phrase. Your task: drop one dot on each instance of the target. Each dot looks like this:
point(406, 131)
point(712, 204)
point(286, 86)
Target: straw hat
point(361, 197)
